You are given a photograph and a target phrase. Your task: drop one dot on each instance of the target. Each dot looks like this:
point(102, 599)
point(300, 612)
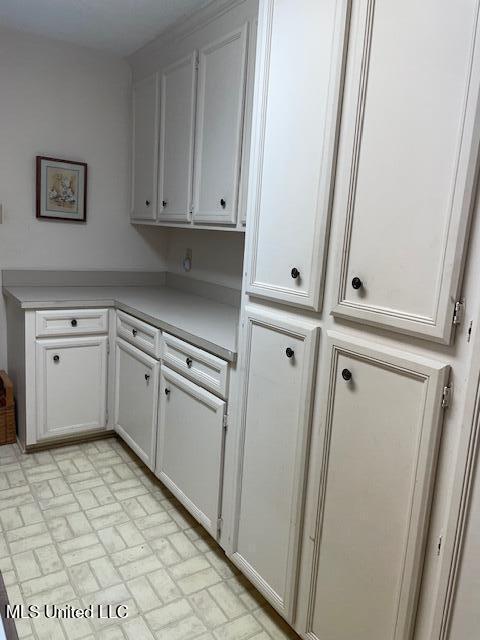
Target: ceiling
point(118, 26)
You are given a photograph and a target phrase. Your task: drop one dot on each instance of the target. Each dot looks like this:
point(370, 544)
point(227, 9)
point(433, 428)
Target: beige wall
point(74, 103)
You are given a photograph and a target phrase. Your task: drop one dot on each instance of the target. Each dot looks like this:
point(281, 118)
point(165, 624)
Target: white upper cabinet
point(408, 150)
point(383, 415)
point(297, 83)
point(178, 87)
point(145, 149)
point(220, 105)
point(280, 366)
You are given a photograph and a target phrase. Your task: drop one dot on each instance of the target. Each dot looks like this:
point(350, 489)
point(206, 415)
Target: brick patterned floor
point(88, 524)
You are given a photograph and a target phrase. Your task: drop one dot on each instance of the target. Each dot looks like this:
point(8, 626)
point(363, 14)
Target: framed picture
point(61, 189)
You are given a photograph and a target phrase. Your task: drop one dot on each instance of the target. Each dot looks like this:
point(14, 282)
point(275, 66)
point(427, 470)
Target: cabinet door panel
point(275, 433)
point(297, 84)
point(382, 428)
point(407, 162)
point(136, 400)
point(221, 91)
point(176, 141)
point(145, 149)
point(190, 446)
point(71, 375)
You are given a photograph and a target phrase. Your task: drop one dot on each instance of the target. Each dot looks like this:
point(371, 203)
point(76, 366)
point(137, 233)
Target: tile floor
point(88, 524)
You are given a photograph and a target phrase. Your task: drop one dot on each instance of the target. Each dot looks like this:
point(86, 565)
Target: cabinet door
point(221, 91)
point(299, 62)
point(145, 149)
point(280, 361)
point(407, 162)
point(383, 421)
point(176, 141)
point(190, 446)
point(71, 379)
point(136, 400)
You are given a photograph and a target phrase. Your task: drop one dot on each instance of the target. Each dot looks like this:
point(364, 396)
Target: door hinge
point(458, 312)
point(439, 545)
point(219, 525)
point(447, 396)
point(196, 61)
point(108, 346)
point(225, 421)
point(106, 416)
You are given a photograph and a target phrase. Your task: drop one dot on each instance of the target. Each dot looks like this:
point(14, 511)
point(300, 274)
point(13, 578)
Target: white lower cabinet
point(279, 374)
point(383, 412)
point(136, 399)
point(190, 446)
point(71, 379)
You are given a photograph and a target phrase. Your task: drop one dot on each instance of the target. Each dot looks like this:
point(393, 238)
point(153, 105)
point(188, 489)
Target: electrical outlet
point(187, 260)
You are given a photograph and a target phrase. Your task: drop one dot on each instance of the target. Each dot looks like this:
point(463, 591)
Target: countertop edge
point(198, 341)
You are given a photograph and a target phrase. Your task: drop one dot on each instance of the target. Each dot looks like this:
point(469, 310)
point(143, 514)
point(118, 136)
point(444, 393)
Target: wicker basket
point(7, 410)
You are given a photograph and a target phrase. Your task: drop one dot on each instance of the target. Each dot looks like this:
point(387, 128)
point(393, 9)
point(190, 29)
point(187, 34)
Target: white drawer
point(141, 334)
point(203, 367)
point(65, 322)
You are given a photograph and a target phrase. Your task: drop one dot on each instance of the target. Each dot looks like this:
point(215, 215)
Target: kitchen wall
point(74, 103)
point(217, 256)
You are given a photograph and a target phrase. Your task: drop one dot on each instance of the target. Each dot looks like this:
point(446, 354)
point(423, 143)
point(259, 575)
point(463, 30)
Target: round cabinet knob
point(134, 332)
point(164, 203)
point(346, 374)
point(147, 377)
point(167, 391)
point(223, 203)
point(73, 323)
point(147, 203)
point(294, 273)
point(289, 352)
point(56, 358)
point(189, 362)
point(357, 283)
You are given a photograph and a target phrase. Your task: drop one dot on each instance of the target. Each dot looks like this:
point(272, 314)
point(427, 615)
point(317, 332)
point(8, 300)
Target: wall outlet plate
point(187, 260)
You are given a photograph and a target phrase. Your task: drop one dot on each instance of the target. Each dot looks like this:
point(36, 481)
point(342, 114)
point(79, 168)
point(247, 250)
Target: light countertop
point(206, 323)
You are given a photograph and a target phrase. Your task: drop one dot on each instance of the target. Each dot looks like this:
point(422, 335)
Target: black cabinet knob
point(56, 358)
point(167, 391)
point(357, 283)
point(134, 332)
point(164, 203)
point(189, 362)
point(346, 374)
point(147, 203)
point(73, 323)
point(223, 203)
point(294, 273)
point(147, 377)
point(289, 352)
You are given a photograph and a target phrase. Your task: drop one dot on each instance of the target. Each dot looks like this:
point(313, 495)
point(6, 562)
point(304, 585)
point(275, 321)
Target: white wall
point(217, 256)
point(67, 102)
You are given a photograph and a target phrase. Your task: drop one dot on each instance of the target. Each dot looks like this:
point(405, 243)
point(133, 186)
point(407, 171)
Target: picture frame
point(61, 189)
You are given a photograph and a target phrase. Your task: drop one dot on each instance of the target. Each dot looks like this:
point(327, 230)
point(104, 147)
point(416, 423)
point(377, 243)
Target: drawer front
point(203, 367)
point(141, 334)
point(63, 322)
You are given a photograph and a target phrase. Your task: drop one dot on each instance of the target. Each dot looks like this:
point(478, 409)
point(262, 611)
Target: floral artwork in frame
point(61, 189)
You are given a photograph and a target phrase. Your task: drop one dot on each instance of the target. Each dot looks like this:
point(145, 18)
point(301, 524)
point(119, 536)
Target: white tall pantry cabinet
point(365, 120)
